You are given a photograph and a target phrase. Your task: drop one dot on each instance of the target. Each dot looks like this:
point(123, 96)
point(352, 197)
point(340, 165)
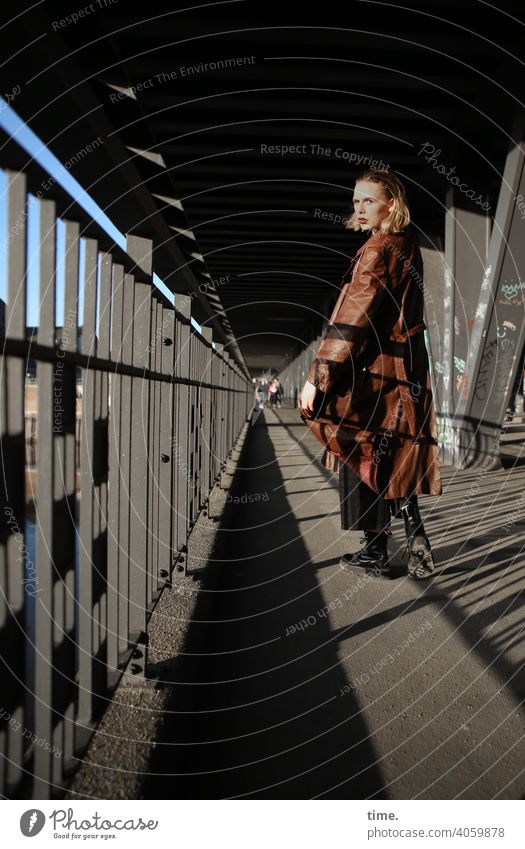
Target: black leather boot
point(373, 557)
point(420, 559)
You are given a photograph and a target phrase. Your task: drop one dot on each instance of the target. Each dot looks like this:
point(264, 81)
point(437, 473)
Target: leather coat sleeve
point(351, 320)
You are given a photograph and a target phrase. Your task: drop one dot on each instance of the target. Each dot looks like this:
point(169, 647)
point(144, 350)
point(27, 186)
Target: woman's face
point(371, 204)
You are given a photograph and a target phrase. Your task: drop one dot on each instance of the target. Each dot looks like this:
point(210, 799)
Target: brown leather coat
point(375, 410)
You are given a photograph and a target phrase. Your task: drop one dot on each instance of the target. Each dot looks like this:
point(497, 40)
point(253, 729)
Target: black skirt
point(361, 508)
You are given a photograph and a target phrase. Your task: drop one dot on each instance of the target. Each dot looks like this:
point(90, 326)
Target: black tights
point(361, 508)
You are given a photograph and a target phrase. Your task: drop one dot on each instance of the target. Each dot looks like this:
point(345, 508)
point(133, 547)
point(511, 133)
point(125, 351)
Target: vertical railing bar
point(105, 302)
point(99, 584)
point(181, 446)
point(221, 455)
point(106, 625)
point(87, 566)
point(13, 490)
point(174, 415)
point(166, 549)
point(102, 412)
point(157, 435)
point(156, 430)
point(207, 415)
point(44, 525)
point(65, 504)
point(116, 606)
point(125, 518)
point(194, 352)
point(140, 483)
point(149, 449)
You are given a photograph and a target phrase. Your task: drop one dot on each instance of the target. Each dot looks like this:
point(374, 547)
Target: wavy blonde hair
point(399, 216)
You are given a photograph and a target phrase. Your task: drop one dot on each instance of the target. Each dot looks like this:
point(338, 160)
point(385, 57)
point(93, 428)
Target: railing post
point(166, 523)
point(207, 412)
point(181, 413)
point(118, 483)
point(140, 419)
point(93, 595)
point(218, 409)
point(14, 599)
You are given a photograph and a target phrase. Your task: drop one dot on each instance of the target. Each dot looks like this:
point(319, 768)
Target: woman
point(274, 393)
point(368, 396)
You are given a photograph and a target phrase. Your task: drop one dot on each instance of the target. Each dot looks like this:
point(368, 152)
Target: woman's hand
point(307, 398)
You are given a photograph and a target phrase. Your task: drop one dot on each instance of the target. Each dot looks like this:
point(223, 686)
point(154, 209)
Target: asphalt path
point(310, 682)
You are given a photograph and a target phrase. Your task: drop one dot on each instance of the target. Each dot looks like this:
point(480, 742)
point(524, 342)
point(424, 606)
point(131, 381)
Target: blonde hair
point(399, 216)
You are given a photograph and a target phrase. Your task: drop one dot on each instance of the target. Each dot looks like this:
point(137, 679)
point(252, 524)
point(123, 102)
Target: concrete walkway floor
point(312, 683)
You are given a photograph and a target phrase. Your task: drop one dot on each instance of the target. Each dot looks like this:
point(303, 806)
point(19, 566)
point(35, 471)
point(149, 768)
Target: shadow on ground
point(267, 716)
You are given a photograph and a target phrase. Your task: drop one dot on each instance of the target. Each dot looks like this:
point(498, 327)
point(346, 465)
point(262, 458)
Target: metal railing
point(114, 498)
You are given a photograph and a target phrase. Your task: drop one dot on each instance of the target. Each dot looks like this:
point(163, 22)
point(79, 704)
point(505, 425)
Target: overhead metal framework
point(246, 124)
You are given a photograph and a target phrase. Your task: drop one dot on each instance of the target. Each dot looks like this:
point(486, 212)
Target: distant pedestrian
point(274, 393)
point(262, 390)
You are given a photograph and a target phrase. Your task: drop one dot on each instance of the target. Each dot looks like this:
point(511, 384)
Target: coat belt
point(417, 328)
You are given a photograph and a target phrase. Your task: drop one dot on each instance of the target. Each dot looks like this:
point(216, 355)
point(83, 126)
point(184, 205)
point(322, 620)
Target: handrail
point(123, 468)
